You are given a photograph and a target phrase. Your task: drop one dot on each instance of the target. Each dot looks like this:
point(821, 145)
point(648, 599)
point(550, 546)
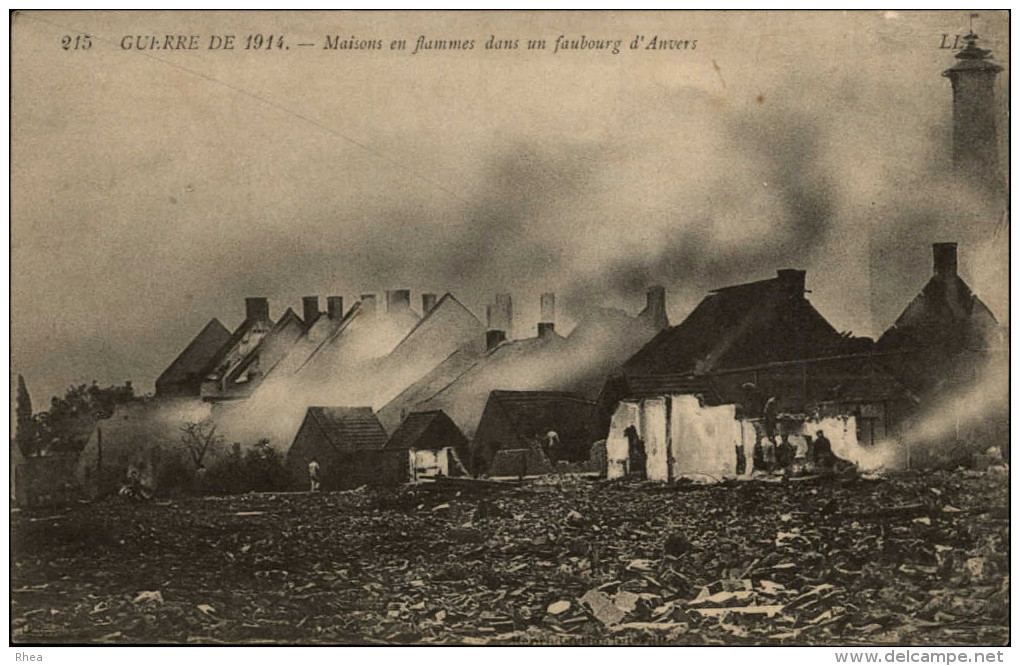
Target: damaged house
point(434, 443)
point(740, 347)
point(578, 363)
point(184, 376)
point(746, 343)
point(528, 432)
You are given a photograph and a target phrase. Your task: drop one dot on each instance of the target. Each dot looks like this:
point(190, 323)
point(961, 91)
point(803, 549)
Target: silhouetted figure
point(823, 456)
point(741, 459)
point(785, 452)
point(770, 419)
point(638, 461)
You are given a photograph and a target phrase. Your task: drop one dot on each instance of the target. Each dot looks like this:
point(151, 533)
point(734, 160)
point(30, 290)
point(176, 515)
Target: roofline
point(191, 344)
point(428, 314)
point(342, 326)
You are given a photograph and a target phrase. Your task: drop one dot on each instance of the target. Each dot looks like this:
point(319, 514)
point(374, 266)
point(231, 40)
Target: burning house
point(747, 343)
point(245, 339)
point(578, 363)
point(946, 335)
point(528, 432)
point(184, 376)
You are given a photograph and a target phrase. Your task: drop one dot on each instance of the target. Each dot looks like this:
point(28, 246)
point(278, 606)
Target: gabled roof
point(528, 410)
point(730, 315)
point(198, 355)
point(348, 428)
point(289, 317)
point(650, 386)
point(946, 312)
point(448, 300)
point(414, 426)
point(235, 339)
point(433, 381)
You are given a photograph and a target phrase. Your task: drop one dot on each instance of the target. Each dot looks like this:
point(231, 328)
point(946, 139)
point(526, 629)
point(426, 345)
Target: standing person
point(770, 418)
point(637, 458)
point(824, 458)
point(785, 452)
point(552, 446)
point(313, 474)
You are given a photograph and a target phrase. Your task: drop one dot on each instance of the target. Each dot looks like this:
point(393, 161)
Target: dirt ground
point(914, 558)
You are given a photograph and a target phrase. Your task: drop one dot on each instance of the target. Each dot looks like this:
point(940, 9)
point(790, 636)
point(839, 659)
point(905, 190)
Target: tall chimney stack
point(975, 145)
point(335, 307)
point(498, 317)
point(368, 304)
point(310, 309)
point(428, 303)
point(547, 318)
point(398, 300)
point(505, 314)
point(944, 260)
point(256, 309)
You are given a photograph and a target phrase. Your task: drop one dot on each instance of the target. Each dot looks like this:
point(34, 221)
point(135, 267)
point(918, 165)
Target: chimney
point(791, 282)
point(504, 315)
point(547, 318)
point(368, 304)
point(498, 317)
point(975, 146)
point(655, 307)
point(335, 307)
point(310, 309)
point(493, 338)
point(398, 300)
point(256, 309)
point(944, 256)
point(428, 303)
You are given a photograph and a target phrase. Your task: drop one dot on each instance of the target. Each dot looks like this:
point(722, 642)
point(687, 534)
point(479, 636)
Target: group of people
point(768, 456)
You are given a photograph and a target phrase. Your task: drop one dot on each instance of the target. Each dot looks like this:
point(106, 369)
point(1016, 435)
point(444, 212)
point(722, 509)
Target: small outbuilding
point(430, 430)
point(347, 442)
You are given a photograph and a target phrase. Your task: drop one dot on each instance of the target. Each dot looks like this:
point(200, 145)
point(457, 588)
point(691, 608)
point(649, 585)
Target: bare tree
point(200, 438)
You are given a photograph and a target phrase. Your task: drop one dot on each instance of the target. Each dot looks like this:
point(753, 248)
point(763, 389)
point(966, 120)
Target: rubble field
point(915, 558)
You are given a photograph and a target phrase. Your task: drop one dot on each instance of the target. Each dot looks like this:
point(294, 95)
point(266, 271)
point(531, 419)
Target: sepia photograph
point(511, 328)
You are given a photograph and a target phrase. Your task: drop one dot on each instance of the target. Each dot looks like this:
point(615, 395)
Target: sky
point(153, 190)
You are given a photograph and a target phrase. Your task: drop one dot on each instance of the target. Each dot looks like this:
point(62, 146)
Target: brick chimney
point(498, 317)
point(310, 309)
point(368, 304)
point(398, 300)
point(944, 260)
point(335, 307)
point(428, 303)
point(655, 307)
point(547, 318)
point(256, 309)
point(791, 282)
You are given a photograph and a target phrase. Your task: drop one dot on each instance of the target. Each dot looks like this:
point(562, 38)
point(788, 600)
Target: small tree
point(200, 438)
point(26, 435)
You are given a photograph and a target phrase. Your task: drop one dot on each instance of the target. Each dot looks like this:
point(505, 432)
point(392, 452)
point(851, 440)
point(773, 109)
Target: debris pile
point(915, 558)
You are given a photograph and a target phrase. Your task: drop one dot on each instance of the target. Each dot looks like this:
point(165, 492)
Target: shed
point(346, 442)
point(522, 419)
point(432, 430)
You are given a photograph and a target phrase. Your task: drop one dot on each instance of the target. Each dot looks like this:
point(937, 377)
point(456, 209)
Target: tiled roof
point(349, 427)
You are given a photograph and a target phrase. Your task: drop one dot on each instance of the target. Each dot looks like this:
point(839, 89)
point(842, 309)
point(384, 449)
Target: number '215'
point(76, 43)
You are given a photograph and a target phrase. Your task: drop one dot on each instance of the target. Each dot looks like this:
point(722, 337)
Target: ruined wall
point(703, 440)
